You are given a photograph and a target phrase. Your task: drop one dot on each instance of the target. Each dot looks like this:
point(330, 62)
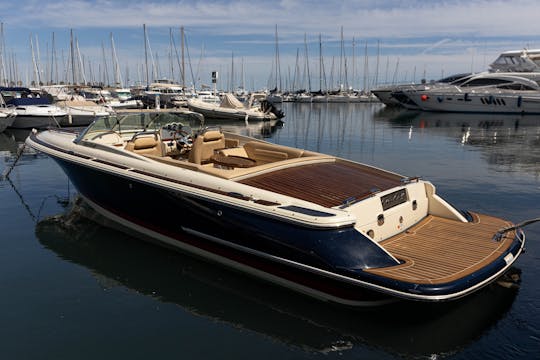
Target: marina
point(485, 163)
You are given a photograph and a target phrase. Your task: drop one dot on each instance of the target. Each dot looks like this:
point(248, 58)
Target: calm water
point(72, 289)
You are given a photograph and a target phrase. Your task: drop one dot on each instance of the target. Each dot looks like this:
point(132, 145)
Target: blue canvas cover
point(28, 101)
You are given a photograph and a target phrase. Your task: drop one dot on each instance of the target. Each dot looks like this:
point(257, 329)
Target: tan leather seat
point(204, 146)
point(146, 145)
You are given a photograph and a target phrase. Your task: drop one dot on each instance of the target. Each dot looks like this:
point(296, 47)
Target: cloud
point(372, 19)
point(423, 34)
point(438, 44)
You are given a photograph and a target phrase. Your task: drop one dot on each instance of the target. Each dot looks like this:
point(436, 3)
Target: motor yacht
point(508, 93)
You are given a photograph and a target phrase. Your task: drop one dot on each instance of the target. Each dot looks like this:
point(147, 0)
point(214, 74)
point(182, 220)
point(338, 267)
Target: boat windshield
point(125, 124)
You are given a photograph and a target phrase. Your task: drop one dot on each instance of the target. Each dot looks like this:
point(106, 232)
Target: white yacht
point(167, 92)
point(390, 95)
point(517, 61)
point(517, 93)
point(32, 110)
point(208, 96)
point(231, 108)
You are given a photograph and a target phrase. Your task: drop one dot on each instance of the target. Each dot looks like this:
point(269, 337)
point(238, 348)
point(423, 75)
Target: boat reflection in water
point(508, 141)
point(480, 125)
point(18, 135)
point(8, 145)
point(402, 328)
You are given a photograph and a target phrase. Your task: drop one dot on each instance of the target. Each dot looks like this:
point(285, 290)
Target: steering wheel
point(184, 140)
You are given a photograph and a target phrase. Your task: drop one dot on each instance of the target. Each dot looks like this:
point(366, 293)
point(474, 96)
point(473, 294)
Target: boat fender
point(466, 97)
point(490, 99)
point(519, 101)
point(440, 98)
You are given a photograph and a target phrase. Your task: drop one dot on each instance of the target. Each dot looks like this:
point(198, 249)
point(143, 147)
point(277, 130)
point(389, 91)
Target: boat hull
point(498, 103)
point(312, 260)
point(217, 113)
point(218, 232)
point(38, 121)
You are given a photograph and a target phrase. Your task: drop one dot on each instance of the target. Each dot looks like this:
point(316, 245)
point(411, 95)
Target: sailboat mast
point(307, 62)
point(231, 89)
point(394, 78)
point(171, 66)
point(116, 66)
point(377, 66)
point(183, 59)
point(353, 64)
point(105, 71)
point(366, 70)
point(81, 62)
point(243, 77)
point(34, 65)
point(72, 56)
point(341, 62)
point(38, 61)
point(53, 62)
point(296, 73)
point(278, 68)
point(146, 56)
point(3, 80)
point(320, 62)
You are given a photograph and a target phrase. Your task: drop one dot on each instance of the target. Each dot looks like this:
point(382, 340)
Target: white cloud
point(366, 19)
point(449, 36)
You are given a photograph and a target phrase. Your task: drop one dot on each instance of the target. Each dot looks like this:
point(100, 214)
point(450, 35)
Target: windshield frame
point(128, 124)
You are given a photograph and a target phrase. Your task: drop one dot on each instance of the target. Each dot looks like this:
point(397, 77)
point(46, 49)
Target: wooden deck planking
point(440, 250)
point(326, 184)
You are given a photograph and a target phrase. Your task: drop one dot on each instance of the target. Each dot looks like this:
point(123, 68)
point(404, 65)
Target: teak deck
point(326, 184)
point(438, 250)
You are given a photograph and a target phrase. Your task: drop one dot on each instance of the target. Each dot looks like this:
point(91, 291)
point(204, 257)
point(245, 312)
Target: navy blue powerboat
point(331, 228)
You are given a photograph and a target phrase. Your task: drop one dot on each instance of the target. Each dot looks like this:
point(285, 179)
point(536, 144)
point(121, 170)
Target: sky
point(383, 41)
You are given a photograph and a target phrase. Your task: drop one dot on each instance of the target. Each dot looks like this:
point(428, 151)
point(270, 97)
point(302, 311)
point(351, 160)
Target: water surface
point(73, 289)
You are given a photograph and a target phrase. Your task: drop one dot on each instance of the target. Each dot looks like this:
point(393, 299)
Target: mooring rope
point(499, 234)
point(8, 169)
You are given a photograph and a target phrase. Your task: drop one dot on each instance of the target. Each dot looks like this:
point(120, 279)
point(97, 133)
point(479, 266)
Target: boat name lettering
point(393, 199)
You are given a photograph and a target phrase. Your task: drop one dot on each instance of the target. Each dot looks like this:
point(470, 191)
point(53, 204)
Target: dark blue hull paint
point(167, 211)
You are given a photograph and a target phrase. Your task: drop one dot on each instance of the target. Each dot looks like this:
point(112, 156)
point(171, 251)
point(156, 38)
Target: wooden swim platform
point(438, 250)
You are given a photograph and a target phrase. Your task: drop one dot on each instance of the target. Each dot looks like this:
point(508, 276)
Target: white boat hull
point(38, 116)
point(527, 103)
point(213, 111)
